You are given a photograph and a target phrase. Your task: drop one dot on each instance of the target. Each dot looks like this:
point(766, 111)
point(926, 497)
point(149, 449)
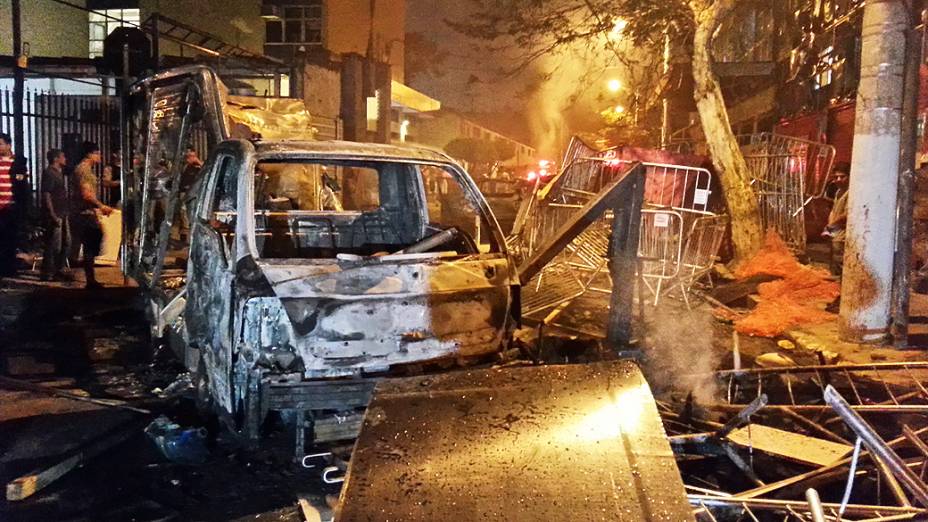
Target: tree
point(542, 27)
point(504, 150)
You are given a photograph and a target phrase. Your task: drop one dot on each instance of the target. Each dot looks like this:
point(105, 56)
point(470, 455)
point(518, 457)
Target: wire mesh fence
point(787, 173)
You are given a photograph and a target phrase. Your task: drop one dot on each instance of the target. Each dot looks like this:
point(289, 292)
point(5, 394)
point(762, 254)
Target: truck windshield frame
point(323, 208)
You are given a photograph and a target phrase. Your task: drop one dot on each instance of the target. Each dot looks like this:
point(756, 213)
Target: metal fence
point(65, 121)
point(678, 239)
point(60, 121)
point(787, 173)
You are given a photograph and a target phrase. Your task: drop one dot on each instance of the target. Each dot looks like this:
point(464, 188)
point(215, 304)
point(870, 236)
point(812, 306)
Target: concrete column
point(866, 289)
point(353, 111)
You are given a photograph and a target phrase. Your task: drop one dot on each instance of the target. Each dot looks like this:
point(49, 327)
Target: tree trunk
point(746, 227)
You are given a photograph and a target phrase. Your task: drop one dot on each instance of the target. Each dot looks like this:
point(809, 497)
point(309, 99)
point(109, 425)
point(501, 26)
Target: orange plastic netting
point(799, 298)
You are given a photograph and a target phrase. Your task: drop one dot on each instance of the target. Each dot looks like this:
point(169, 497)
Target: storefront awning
point(410, 98)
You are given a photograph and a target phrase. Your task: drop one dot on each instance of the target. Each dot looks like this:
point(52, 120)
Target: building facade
point(440, 128)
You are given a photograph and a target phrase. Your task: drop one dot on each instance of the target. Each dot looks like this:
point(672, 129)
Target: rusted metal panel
point(581, 442)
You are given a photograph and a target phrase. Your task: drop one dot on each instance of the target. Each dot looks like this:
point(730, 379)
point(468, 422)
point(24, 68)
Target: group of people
point(71, 208)
point(71, 213)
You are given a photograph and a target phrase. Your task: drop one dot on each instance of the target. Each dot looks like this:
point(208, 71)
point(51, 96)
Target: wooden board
point(27, 485)
point(789, 445)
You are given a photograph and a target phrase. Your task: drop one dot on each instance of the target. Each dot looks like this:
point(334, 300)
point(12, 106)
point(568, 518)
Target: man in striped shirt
point(8, 222)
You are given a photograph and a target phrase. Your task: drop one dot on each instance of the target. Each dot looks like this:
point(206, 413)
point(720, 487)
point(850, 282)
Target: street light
point(618, 28)
point(619, 109)
point(614, 85)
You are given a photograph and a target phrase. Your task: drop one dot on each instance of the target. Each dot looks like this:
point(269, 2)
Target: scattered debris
point(25, 385)
point(790, 445)
point(181, 385)
point(310, 513)
point(27, 365)
point(774, 360)
point(28, 484)
point(799, 431)
point(183, 446)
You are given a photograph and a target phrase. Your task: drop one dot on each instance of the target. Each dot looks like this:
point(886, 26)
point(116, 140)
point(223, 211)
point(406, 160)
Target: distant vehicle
point(311, 265)
point(504, 196)
point(545, 171)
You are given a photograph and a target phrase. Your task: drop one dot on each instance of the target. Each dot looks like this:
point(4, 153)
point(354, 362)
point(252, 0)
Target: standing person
point(837, 219)
point(112, 179)
point(56, 210)
point(86, 205)
point(8, 221)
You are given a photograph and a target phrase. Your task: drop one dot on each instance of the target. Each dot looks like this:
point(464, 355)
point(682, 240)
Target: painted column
point(866, 289)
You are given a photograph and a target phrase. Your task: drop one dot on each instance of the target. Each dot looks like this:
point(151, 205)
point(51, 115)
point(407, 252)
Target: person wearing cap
point(87, 228)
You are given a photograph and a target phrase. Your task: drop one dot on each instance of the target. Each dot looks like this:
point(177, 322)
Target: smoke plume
point(679, 352)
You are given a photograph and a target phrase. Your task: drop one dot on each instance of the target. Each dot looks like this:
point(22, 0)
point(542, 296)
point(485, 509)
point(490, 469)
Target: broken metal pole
point(815, 505)
point(866, 289)
point(623, 262)
point(878, 447)
point(894, 487)
point(740, 502)
point(906, 198)
point(743, 416)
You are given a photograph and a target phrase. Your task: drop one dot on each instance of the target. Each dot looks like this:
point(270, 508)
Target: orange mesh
point(774, 258)
point(798, 298)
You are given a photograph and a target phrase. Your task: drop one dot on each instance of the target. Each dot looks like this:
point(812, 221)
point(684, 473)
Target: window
point(325, 209)
point(221, 210)
point(103, 21)
point(450, 206)
point(299, 25)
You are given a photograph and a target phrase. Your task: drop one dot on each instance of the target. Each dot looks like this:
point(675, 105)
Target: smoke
point(680, 353)
point(564, 79)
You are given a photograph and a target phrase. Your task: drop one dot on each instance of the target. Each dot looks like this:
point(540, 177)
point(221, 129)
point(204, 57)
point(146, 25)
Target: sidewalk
point(825, 336)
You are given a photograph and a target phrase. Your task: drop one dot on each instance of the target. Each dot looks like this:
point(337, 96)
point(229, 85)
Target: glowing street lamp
point(618, 28)
point(619, 109)
point(614, 85)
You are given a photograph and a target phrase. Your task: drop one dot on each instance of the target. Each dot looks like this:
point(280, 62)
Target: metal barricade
point(787, 173)
point(660, 248)
point(699, 254)
point(676, 201)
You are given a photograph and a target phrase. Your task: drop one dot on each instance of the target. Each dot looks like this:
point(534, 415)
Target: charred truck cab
point(308, 268)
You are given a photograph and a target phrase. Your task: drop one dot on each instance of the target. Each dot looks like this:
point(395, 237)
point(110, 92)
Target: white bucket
point(112, 238)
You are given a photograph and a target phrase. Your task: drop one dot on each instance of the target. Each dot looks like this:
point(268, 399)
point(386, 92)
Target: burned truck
point(308, 268)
